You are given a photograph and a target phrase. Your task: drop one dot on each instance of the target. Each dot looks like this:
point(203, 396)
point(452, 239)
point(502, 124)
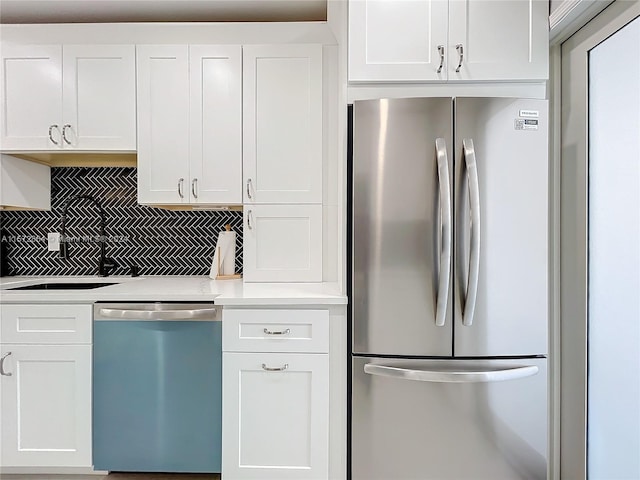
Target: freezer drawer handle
point(444, 274)
point(448, 376)
point(2, 371)
point(124, 314)
point(275, 369)
point(277, 332)
point(474, 253)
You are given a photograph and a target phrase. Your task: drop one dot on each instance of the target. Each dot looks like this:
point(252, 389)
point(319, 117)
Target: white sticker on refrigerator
point(529, 113)
point(525, 124)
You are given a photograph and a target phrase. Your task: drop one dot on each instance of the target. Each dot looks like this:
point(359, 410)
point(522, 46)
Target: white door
point(282, 122)
point(275, 416)
point(46, 405)
point(397, 40)
point(99, 94)
point(31, 98)
point(282, 243)
point(498, 40)
point(163, 123)
point(216, 124)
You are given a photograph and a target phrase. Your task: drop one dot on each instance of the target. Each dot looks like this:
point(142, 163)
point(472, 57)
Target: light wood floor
point(115, 476)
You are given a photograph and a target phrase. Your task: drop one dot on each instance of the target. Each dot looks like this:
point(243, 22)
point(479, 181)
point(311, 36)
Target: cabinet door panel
point(282, 123)
point(46, 324)
point(46, 406)
point(501, 39)
point(163, 124)
point(275, 423)
point(216, 124)
point(282, 243)
point(396, 40)
point(99, 97)
point(31, 99)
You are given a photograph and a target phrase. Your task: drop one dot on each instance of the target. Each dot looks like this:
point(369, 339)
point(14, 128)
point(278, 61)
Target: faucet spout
point(105, 264)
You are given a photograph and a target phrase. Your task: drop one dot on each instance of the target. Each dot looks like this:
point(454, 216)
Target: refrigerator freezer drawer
point(449, 419)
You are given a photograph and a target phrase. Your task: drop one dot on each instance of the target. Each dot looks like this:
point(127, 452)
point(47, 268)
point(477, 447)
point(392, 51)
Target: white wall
point(613, 450)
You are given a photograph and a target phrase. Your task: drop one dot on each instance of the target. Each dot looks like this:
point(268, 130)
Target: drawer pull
point(276, 332)
point(2, 372)
point(276, 369)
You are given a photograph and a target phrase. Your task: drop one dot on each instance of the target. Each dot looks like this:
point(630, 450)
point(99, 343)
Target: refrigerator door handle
point(474, 253)
point(435, 375)
point(444, 274)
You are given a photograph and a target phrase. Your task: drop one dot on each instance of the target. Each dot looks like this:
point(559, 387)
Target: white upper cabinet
point(392, 40)
point(282, 156)
point(498, 40)
point(189, 124)
point(31, 97)
point(216, 123)
point(163, 123)
point(448, 40)
point(99, 93)
point(69, 97)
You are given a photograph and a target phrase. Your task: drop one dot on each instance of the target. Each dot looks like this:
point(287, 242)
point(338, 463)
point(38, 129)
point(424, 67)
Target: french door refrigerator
point(449, 289)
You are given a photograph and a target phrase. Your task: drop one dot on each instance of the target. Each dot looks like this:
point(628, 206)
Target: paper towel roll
point(224, 257)
point(227, 242)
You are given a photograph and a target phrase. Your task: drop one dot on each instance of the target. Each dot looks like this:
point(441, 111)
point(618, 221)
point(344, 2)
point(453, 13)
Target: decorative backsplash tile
point(160, 242)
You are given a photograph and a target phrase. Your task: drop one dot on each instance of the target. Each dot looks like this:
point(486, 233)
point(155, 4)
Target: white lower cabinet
point(275, 404)
point(45, 385)
point(46, 405)
point(276, 411)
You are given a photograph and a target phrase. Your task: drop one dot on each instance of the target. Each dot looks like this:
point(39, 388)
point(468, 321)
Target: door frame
point(573, 227)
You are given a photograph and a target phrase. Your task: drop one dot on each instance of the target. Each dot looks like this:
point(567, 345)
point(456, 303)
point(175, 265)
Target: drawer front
point(304, 331)
point(46, 324)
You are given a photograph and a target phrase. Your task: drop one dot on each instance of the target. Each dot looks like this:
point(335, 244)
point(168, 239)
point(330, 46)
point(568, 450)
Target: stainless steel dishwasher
point(157, 387)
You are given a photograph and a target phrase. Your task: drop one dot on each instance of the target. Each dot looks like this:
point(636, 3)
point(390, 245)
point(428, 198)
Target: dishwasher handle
point(152, 314)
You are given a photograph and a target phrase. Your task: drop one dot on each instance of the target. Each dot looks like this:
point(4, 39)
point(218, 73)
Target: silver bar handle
point(460, 50)
point(275, 369)
point(277, 332)
point(64, 134)
point(180, 184)
point(441, 53)
point(249, 196)
point(444, 274)
point(2, 370)
point(51, 127)
point(452, 376)
point(249, 214)
point(474, 253)
point(194, 185)
point(186, 314)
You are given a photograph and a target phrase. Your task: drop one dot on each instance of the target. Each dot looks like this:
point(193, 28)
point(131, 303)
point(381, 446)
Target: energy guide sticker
point(526, 124)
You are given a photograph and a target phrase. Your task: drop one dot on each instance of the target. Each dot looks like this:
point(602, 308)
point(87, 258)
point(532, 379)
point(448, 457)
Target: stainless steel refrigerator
point(449, 289)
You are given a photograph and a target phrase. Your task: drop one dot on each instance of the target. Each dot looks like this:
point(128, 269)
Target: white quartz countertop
point(171, 289)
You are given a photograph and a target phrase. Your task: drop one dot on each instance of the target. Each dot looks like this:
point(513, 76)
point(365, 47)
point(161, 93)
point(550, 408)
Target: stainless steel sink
point(64, 286)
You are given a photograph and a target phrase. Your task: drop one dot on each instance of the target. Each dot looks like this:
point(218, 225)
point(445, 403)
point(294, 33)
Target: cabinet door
point(282, 106)
point(31, 99)
point(275, 422)
point(500, 40)
point(282, 243)
point(163, 124)
point(99, 97)
point(397, 40)
point(216, 124)
point(46, 405)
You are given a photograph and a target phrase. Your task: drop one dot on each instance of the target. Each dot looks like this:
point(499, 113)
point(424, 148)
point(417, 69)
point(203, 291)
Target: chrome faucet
point(106, 264)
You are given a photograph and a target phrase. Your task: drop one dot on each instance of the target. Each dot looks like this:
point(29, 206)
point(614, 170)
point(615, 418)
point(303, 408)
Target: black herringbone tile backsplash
point(160, 242)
